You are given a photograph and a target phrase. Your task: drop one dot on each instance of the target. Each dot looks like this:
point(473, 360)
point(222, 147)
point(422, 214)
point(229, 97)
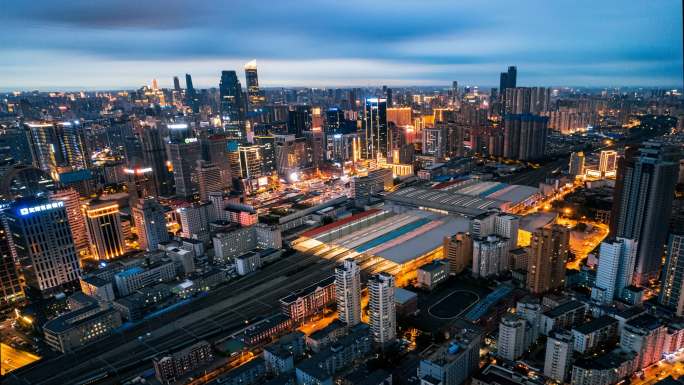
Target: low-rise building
point(433, 273)
point(497, 375)
point(265, 331)
point(589, 335)
point(606, 369)
point(169, 368)
point(310, 300)
point(644, 335)
point(247, 263)
point(98, 288)
point(280, 356)
point(320, 339)
point(453, 362)
point(88, 321)
point(406, 301)
point(563, 316)
point(319, 369)
point(135, 277)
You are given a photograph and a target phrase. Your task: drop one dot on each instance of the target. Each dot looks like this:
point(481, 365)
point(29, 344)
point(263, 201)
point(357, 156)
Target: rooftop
point(402, 295)
point(596, 324)
point(564, 308)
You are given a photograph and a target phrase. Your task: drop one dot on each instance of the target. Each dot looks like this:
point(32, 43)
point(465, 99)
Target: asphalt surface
point(222, 312)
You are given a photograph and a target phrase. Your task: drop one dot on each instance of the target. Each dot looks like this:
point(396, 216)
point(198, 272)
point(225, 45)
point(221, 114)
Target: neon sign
point(39, 208)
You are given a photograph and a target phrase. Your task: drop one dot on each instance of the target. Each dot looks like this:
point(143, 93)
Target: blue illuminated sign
point(39, 208)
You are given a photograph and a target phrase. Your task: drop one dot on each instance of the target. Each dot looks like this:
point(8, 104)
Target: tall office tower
point(642, 203)
point(299, 120)
point(154, 155)
point(615, 270)
point(388, 96)
point(508, 79)
point(267, 148)
point(194, 220)
point(315, 146)
point(382, 308)
point(256, 98)
point(75, 218)
point(217, 153)
point(176, 84)
point(45, 248)
point(250, 162)
point(10, 287)
point(511, 341)
point(558, 359)
point(435, 141)
point(374, 125)
point(459, 252)
point(576, 165)
point(72, 144)
point(490, 256)
point(525, 136)
point(334, 121)
point(208, 179)
point(140, 182)
point(348, 292)
point(44, 147)
point(183, 156)
point(232, 103)
point(104, 229)
point(192, 99)
point(150, 222)
point(672, 289)
point(607, 162)
point(549, 252)
point(454, 92)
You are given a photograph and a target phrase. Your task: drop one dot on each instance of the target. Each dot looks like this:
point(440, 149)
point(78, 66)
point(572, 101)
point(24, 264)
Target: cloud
point(551, 42)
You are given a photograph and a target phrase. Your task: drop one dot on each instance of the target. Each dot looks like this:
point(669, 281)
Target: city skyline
point(77, 46)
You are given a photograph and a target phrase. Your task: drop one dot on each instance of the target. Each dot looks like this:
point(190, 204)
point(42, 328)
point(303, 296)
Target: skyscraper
point(375, 129)
point(507, 80)
point(72, 204)
point(154, 156)
point(576, 166)
point(382, 308)
point(615, 270)
point(217, 153)
point(642, 203)
point(232, 103)
point(525, 136)
point(459, 252)
point(299, 120)
point(190, 94)
point(672, 289)
point(150, 223)
point(176, 84)
point(44, 245)
point(183, 155)
point(208, 179)
point(549, 253)
point(104, 229)
point(254, 95)
point(10, 287)
point(348, 292)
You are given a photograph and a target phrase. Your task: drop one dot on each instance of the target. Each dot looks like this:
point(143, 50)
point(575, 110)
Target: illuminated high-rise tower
point(72, 203)
point(642, 203)
point(254, 94)
point(10, 288)
point(382, 308)
point(232, 104)
point(44, 245)
point(104, 229)
point(375, 129)
point(348, 292)
point(190, 94)
point(150, 223)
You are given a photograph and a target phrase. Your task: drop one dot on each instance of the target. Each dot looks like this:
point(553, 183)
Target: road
point(13, 359)
point(662, 369)
point(223, 311)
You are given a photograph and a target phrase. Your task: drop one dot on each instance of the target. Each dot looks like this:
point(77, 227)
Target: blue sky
point(112, 44)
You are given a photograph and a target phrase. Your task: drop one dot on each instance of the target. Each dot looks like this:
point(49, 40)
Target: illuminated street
point(13, 359)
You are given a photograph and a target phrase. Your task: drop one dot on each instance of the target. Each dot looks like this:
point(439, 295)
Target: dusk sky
point(107, 44)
